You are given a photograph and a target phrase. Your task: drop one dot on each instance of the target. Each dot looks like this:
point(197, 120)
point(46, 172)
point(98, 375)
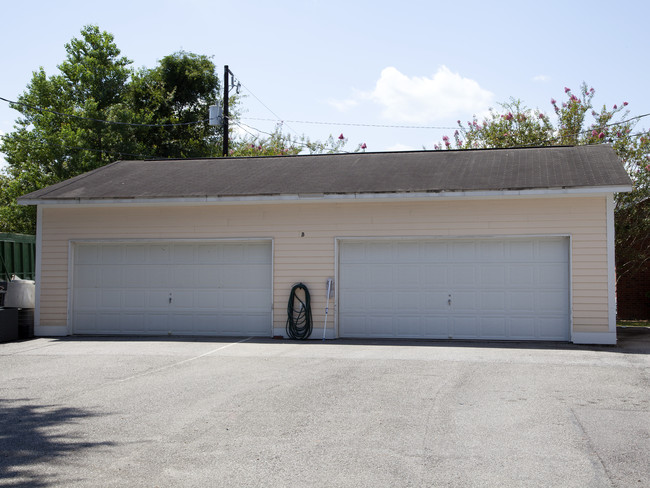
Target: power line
point(351, 124)
point(277, 117)
point(113, 122)
point(305, 145)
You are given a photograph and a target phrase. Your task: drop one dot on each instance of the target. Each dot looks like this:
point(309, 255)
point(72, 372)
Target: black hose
point(299, 321)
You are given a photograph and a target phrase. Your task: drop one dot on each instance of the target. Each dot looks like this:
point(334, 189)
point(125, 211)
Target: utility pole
point(219, 116)
point(226, 85)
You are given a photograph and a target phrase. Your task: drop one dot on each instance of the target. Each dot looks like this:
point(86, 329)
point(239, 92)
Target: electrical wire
point(351, 124)
point(305, 145)
point(277, 117)
point(113, 122)
point(299, 321)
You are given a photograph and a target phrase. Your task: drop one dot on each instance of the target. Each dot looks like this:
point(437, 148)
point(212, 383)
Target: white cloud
point(421, 99)
point(541, 78)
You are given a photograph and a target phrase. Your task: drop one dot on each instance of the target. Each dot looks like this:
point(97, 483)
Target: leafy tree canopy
point(97, 109)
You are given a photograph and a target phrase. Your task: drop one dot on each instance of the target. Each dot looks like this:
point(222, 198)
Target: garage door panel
point(134, 299)
point(184, 276)
point(379, 301)
point(494, 327)
point(112, 253)
point(521, 251)
point(463, 251)
point(552, 328)
point(552, 302)
point(523, 326)
point(126, 288)
point(521, 274)
point(491, 275)
point(111, 298)
point(434, 251)
point(135, 255)
point(409, 326)
point(86, 276)
point(522, 301)
point(493, 301)
point(157, 323)
point(463, 275)
point(154, 276)
point(465, 327)
point(550, 251)
point(436, 276)
point(436, 326)
point(137, 276)
point(159, 254)
point(553, 275)
point(407, 252)
point(406, 275)
point(491, 250)
point(500, 288)
point(381, 275)
point(110, 277)
point(465, 301)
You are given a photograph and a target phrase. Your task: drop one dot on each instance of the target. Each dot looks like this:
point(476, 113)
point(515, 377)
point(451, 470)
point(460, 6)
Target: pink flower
point(601, 135)
point(615, 107)
point(445, 138)
point(647, 168)
point(625, 104)
point(447, 143)
point(618, 134)
point(341, 137)
point(541, 116)
point(594, 133)
point(567, 90)
point(363, 146)
point(553, 101)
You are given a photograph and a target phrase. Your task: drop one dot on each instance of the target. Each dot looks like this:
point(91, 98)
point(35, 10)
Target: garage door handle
point(170, 298)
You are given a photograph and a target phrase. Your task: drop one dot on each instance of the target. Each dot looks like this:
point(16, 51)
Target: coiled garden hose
point(299, 321)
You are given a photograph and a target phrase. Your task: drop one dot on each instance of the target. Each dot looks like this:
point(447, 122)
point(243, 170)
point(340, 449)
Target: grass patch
point(633, 323)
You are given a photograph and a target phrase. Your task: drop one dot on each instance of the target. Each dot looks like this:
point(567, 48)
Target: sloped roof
point(340, 174)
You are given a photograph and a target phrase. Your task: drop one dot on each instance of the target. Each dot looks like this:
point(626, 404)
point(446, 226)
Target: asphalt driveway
point(247, 412)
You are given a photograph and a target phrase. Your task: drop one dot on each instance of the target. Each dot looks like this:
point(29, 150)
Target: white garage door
point(509, 289)
point(202, 288)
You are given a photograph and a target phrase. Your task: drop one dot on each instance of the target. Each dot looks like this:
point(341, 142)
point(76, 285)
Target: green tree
point(97, 109)
point(518, 126)
point(177, 93)
point(278, 143)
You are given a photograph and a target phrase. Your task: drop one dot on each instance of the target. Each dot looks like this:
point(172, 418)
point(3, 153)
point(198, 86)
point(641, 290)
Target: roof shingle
point(357, 173)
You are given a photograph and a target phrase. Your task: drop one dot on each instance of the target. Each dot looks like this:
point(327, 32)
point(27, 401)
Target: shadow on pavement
point(31, 435)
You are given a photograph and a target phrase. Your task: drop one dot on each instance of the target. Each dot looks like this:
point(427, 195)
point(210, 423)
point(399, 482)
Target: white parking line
point(181, 362)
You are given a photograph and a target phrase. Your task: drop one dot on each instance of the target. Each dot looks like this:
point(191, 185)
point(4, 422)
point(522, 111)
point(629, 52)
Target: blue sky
point(334, 62)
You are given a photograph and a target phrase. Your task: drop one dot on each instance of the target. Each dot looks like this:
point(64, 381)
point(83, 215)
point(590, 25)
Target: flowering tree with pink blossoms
point(515, 125)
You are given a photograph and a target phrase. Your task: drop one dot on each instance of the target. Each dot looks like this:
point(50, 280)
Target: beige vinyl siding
point(311, 258)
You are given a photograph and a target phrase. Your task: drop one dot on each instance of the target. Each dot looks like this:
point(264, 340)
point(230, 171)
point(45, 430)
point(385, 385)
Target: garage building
point(503, 244)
